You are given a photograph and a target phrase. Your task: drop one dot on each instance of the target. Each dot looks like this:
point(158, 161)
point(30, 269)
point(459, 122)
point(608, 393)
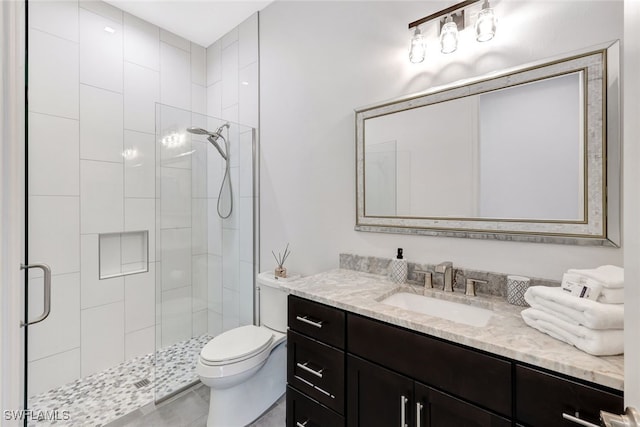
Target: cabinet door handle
point(304, 366)
point(578, 420)
point(304, 424)
point(306, 320)
point(403, 411)
point(419, 407)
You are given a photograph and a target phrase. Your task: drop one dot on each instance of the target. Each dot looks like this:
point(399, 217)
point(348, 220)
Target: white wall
point(320, 60)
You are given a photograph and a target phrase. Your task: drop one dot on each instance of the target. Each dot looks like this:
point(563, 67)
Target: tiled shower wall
point(95, 73)
point(232, 93)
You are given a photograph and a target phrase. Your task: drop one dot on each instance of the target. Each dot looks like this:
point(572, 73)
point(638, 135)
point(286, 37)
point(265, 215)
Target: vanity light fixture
point(417, 48)
point(451, 21)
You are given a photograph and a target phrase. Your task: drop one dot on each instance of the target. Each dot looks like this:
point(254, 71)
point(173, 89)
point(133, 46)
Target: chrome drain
point(142, 383)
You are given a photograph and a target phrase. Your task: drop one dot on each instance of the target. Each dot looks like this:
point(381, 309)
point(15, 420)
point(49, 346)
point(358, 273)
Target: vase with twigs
point(280, 259)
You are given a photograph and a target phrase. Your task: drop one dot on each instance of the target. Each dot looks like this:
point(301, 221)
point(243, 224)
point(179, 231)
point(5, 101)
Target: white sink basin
point(456, 312)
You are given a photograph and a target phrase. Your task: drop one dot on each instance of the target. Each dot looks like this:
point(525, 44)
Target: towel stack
point(594, 326)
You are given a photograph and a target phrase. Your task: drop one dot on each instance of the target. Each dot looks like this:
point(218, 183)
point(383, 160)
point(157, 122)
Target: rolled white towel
point(611, 296)
point(596, 342)
point(578, 311)
point(609, 276)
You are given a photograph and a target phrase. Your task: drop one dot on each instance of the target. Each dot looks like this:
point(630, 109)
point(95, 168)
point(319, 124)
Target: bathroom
point(308, 65)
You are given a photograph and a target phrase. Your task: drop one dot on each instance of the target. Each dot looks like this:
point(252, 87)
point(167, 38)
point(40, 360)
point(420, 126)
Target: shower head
point(212, 137)
point(199, 131)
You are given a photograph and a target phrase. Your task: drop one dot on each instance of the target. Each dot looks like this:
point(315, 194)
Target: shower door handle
point(47, 292)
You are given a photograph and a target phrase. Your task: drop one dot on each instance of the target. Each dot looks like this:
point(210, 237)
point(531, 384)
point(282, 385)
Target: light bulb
point(417, 48)
point(486, 23)
point(449, 36)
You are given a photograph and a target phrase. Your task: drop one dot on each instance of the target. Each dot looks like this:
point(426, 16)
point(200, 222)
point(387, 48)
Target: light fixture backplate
point(458, 18)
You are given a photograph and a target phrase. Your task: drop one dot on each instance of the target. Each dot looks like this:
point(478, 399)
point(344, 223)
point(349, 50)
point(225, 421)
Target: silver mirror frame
point(601, 226)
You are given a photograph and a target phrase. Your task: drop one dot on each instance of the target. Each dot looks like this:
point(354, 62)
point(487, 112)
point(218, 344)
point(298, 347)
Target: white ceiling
point(200, 21)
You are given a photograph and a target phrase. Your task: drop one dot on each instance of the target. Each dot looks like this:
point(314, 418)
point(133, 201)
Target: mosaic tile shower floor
point(105, 396)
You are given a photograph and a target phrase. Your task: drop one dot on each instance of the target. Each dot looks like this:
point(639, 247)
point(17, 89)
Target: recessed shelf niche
point(121, 254)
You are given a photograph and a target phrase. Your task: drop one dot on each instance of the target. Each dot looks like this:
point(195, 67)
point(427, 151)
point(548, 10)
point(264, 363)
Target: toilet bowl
point(245, 367)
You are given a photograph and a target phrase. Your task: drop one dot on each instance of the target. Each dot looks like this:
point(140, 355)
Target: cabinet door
point(377, 396)
point(436, 409)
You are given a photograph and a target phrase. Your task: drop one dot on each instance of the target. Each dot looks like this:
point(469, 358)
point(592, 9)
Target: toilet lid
point(238, 343)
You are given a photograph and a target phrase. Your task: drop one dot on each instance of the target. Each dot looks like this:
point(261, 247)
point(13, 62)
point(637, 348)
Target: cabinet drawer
point(302, 411)
point(318, 321)
point(465, 373)
point(541, 399)
point(316, 370)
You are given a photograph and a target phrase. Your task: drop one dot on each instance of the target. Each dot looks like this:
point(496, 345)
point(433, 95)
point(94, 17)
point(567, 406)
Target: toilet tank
point(273, 303)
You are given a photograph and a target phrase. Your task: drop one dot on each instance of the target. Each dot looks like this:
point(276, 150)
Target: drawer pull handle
point(419, 407)
point(578, 420)
point(403, 410)
point(304, 366)
point(304, 424)
point(306, 320)
point(310, 384)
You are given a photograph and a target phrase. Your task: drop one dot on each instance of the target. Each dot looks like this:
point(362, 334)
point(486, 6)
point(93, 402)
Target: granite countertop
point(506, 334)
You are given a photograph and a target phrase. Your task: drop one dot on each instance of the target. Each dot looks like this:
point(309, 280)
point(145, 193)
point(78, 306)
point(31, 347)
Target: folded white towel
point(578, 311)
point(611, 296)
point(598, 343)
point(609, 276)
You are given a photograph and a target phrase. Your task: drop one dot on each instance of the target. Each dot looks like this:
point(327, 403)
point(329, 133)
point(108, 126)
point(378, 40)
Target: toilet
point(246, 367)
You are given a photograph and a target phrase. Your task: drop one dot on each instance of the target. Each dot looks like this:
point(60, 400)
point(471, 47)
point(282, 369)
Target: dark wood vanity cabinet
point(348, 370)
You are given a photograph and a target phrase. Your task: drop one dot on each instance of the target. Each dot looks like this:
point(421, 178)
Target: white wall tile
point(140, 300)
point(100, 51)
point(53, 75)
point(139, 164)
point(176, 315)
point(141, 92)
point(198, 99)
point(198, 65)
point(231, 309)
point(245, 211)
point(103, 9)
point(96, 292)
point(140, 214)
point(175, 77)
point(110, 256)
point(246, 293)
point(231, 114)
point(214, 229)
point(101, 125)
point(101, 197)
point(248, 104)
point(61, 331)
point(175, 141)
point(176, 258)
point(230, 259)
point(175, 40)
point(245, 162)
point(200, 282)
point(214, 63)
point(42, 378)
point(214, 99)
point(59, 18)
point(230, 75)
point(215, 323)
point(199, 165)
point(199, 221)
point(200, 323)
point(141, 42)
point(175, 199)
point(54, 232)
point(139, 343)
point(229, 38)
point(102, 337)
point(54, 152)
point(214, 292)
point(248, 39)
point(215, 171)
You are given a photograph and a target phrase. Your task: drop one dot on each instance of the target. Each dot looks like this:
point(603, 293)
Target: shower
point(213, 138)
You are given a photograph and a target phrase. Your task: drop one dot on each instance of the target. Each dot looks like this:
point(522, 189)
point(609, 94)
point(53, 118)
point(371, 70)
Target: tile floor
point(189, 409)
point(105, 396)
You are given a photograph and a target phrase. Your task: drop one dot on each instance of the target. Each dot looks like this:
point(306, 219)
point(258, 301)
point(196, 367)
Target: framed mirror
point(529, 154)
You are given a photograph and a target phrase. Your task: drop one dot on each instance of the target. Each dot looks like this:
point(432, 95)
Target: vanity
point(356, 361)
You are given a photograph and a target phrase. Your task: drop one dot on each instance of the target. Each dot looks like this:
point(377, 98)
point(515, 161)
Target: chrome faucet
point(446, 268)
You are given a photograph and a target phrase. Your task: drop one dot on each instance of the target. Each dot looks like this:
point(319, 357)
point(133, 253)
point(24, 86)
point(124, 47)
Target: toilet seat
point(236, 345)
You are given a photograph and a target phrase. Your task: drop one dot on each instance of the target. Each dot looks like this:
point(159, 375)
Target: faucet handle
point(442, 267)
point(470, 286)
point(428, 277)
